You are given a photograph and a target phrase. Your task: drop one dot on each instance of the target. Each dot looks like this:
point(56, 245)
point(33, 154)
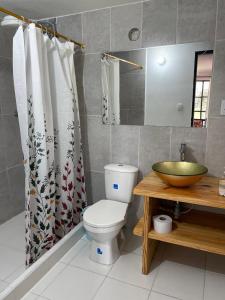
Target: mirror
point(171, 89)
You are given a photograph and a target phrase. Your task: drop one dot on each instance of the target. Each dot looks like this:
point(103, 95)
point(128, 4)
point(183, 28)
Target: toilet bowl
point(104, 220)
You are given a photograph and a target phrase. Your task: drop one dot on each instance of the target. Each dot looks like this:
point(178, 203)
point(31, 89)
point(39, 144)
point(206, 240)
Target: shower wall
point(11, 167)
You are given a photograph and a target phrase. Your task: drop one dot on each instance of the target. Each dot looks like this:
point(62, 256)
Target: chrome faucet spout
point(182, 151)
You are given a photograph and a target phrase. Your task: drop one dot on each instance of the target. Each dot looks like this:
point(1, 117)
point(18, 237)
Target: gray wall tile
point(6, 38)
point(92, 84)
point(220, 31)
point(96, 187)
point(196, 20)
point(159, 22)
point(5, 200)
point(154, 146)
point(125, 141)
point(17, 192)
point(7, 96)
point(218, 79)
point(96, 30)
point(123, 19)
point(2, 158)
point(70, 26)
point(98, 144)
point(195, 140)
point(215, 147)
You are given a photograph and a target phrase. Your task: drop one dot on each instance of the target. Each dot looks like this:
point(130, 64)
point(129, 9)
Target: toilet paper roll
point(162, 223)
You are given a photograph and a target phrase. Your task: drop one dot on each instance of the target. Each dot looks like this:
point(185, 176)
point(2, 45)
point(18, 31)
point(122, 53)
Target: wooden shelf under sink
point(199, 230)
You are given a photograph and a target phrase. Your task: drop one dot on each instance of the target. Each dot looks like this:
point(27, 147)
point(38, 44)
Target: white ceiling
point(52, 8)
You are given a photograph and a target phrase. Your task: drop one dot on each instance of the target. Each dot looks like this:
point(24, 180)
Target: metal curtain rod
point(124, 60)
point(28, 21)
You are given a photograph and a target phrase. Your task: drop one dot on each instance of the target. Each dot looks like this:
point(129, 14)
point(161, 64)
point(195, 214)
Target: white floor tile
point(83, 261)
point(74, 283)
point(180, 280)
point(128, 269)
point(30, 296)
point(15, 274)
point(3, 285)
point(48, 278)
point(10, 261)
point(74, 251)
point(158, 296)
point(13, 235)
point(214, 286)
point(116, 290)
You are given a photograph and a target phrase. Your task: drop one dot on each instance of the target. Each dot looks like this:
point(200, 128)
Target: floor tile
point(74, 283)
point(180, 280)
point(30, 296)
point(10, 261)
point(158, 296)
point(83, 261)
point(15, 274)
point(13, 228)
point(3, 285)
point(74, 251)
point(48, 278)
point(214, 286)
point(128, 269)
point(116, 290)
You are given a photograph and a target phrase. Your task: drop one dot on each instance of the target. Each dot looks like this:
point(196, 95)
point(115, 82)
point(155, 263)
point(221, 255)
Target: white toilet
point(104, 219)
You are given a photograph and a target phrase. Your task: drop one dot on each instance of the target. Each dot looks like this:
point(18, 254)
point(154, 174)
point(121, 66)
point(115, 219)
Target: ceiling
point(51, 8)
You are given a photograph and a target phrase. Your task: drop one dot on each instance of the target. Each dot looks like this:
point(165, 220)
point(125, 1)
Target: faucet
point(182, 152)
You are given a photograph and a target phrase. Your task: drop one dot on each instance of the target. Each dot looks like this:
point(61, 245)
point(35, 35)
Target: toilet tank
point(120, 180)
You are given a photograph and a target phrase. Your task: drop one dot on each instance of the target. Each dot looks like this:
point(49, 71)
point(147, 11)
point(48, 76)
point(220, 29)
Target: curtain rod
point(28, 21)
point(124, 60)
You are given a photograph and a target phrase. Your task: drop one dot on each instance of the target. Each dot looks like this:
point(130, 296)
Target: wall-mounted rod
point(47, 30)
point(124, 60)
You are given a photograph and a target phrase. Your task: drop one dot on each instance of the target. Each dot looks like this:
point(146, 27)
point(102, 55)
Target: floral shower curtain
point(46, 97)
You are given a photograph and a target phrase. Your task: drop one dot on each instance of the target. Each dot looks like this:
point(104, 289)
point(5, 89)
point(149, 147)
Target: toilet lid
point(105, 213)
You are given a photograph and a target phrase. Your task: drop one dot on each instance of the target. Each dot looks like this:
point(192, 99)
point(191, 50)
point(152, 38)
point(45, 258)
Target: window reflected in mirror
point(203, 75)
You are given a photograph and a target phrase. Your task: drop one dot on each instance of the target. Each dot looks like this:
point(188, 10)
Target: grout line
point(177, 18)
point(91, 10)
point(110, 29)
point(204, 276)
point(173, 297)
point(139, 143)
point(216, 25)
point(96, 292)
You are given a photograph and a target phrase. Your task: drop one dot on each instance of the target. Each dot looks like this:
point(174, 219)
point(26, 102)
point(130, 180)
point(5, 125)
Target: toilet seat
point(105, 213)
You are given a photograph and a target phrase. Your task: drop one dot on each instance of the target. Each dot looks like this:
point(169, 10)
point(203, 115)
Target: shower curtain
point(110, 91)
point(47, 104)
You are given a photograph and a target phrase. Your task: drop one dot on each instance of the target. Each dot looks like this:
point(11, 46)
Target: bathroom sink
point(179, 173)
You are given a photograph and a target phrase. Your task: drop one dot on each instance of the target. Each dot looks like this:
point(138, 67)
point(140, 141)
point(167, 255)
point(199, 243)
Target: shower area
point(42, 185)
point(12, 195)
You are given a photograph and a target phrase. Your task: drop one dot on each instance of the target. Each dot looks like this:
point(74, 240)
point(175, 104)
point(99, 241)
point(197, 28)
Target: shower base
point(12, 249)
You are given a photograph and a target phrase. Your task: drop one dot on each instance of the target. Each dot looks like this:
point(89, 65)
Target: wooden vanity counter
point(197, 229)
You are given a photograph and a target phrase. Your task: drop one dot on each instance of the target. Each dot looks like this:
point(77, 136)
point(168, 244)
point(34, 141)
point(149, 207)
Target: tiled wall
point(12, 199)
point(162, 22)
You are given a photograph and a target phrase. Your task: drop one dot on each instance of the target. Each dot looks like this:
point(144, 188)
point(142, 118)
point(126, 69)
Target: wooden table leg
point(147, 243)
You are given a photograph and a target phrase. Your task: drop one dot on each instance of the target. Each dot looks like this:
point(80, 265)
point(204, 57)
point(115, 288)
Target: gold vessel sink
point(179, 173)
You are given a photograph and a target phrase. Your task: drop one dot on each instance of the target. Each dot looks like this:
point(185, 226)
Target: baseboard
point(32, 275)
